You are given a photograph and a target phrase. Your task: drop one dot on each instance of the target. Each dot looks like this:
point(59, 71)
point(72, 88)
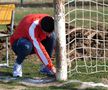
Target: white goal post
point(61, 39)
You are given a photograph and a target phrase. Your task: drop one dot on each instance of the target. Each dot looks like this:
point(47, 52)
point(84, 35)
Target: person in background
point(34, 34)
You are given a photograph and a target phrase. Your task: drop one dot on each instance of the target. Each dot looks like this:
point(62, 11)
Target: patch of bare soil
point(9, 87)
point(89, 43)
point(105, 81)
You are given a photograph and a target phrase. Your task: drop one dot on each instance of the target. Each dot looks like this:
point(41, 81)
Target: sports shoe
point(45, 70)
point(17, 70)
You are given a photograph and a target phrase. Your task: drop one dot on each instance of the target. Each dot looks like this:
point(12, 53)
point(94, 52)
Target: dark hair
point(47, 24)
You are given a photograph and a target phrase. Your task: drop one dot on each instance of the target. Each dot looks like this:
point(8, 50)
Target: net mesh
point(87, 36)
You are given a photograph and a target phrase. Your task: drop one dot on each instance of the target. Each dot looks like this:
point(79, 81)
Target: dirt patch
point(88, 43)
point(10, 87)
point(105, 81)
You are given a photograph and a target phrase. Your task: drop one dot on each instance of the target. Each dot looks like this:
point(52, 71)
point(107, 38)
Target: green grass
point(98, 17)
point(21, 12)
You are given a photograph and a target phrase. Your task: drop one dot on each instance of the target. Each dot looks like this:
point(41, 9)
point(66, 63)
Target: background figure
point(34, 34)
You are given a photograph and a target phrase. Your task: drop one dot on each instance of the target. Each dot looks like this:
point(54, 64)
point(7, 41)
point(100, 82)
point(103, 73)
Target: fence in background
point(22, 2)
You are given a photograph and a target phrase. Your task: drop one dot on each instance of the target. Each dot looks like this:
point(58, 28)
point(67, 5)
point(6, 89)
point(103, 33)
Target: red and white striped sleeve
point(38, 47)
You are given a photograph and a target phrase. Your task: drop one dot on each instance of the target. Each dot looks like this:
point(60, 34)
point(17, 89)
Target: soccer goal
point(86, 34)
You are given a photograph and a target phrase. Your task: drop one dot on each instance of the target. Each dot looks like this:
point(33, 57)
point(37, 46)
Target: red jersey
point(29, 28)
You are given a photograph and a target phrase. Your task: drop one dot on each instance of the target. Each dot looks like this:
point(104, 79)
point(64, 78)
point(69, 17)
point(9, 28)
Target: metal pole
point(21, 2)
point(7, 53)
point(59, 11)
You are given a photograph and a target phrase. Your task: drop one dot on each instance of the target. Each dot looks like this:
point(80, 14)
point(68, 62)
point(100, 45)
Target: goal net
point(87, 36)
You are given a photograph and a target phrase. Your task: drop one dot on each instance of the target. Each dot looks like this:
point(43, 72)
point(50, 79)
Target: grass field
point(32, 63)
point(21, 12)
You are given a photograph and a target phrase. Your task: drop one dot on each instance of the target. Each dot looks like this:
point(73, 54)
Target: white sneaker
point(17, 70)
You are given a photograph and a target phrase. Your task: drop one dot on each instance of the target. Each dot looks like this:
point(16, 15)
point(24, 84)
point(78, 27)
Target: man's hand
point(50, 72)
point(54, 70)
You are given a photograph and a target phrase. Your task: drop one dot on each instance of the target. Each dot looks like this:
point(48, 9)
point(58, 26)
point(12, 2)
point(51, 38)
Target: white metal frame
point(7, 36)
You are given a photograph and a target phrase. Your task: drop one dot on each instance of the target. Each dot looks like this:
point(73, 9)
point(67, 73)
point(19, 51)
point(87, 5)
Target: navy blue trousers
point(23, 47)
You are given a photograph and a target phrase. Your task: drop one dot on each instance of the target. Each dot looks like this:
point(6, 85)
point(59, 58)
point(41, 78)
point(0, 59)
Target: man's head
point(47, 24)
